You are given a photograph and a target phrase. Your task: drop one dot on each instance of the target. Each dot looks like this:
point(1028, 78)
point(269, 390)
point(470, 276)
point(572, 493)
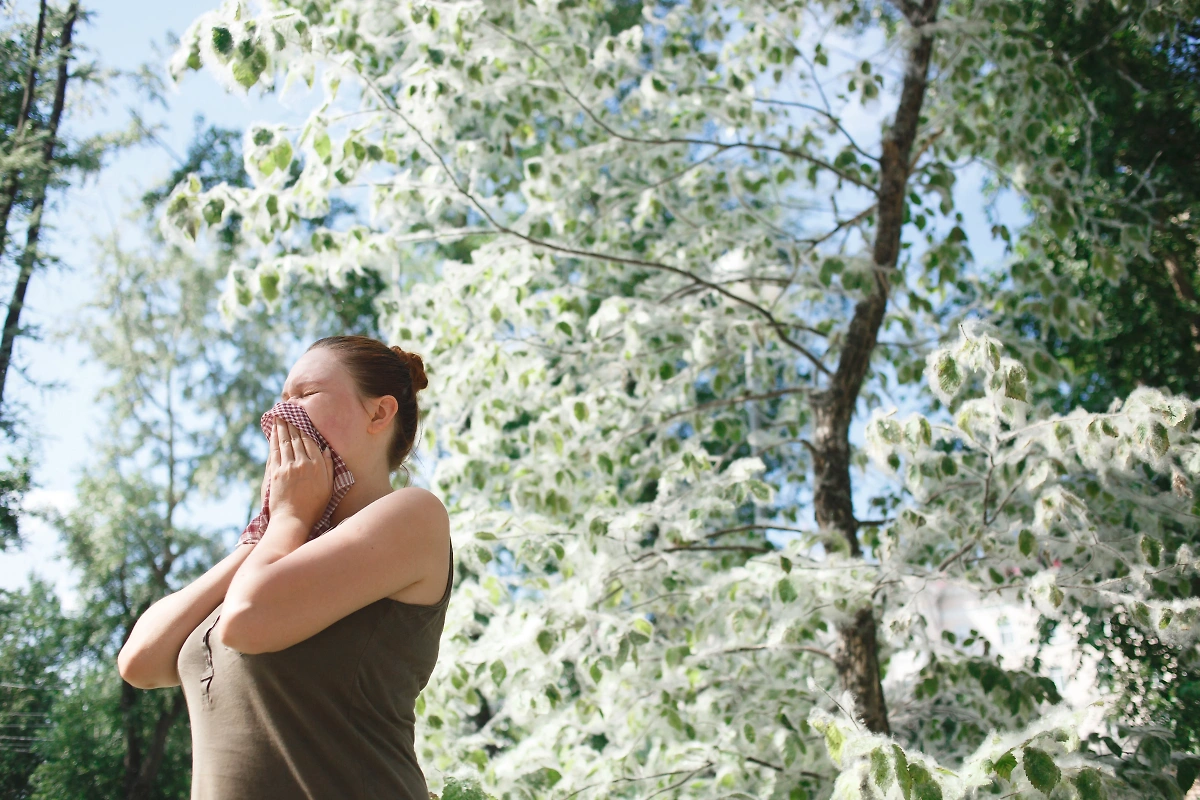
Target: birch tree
point(704, 238)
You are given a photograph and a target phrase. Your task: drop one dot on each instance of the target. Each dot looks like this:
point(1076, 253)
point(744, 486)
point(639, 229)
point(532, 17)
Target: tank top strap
point(449, 579)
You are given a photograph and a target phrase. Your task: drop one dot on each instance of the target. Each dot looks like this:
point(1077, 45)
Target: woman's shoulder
point(415, 499)
point(425, 523)
point(419, 509)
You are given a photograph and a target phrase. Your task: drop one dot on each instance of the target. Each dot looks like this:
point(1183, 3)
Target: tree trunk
point(133, 738)
point(140, 780)
point(29, 259)
point(857, 659)
point(1182, 284)
point(12, 183)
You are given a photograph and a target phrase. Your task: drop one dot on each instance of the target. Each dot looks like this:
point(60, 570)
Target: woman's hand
point(302, 481)
point(272, 465)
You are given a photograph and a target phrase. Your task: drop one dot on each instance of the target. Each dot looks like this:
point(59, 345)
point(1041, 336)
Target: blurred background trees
point(186, 385)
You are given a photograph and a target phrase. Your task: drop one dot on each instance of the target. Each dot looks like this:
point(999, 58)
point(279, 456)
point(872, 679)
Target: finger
point(286, 451)
point(328, 454)
point(273, 456)
point(300, 443)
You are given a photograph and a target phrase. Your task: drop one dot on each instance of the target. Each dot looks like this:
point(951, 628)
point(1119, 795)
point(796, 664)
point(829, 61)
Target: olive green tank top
point(329, 718)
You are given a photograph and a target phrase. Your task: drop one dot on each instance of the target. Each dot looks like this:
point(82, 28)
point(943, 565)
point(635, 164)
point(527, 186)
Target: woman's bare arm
point(148, 659)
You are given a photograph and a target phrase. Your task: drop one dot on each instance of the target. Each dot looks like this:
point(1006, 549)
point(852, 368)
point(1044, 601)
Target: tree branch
point(780, 328)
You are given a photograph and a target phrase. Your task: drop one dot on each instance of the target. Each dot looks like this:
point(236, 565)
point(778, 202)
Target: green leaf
point(581, 411)
point(889, 430)
point(213, 210)
point(1156, 751)
point(1185, 774)
point(881, 772)
point(1090, 784)
point(642, 631)
point(498, 672)
point(949, 378)
point(269, 283)
point(323, 146)
point(748, 732)
point(1152, 550)
point(222, 41)
point(282, 153)
point(545, 641)
point(1158, 440)
point(247, 70)
point(1026, 541)
point(834, 741)
point(787, 592)
point(1040, 768)
point(903, 776)
point(1005, 765)
point(1014, 383)
point(675, 655)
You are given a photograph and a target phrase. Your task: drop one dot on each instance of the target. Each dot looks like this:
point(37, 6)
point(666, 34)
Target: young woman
point(301, 660)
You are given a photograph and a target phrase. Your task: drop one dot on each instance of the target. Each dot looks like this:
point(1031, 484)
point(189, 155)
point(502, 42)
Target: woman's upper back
point(329, 717)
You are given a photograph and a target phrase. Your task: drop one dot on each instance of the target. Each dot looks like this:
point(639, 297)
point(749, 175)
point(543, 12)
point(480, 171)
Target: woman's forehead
point(315, 366)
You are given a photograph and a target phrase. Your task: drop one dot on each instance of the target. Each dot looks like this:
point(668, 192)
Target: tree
point(34, 159)
point(1143, 91)
point(703, 238)
point(33, 630)
point(37, 182)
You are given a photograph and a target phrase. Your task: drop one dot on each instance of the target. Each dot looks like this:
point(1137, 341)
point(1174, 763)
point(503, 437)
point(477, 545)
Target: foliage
point(1143, 85)
point(683, 227)
point(33, 631)
point(35, 158)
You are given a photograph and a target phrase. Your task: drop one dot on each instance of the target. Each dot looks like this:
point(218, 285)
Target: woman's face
point(325, 390)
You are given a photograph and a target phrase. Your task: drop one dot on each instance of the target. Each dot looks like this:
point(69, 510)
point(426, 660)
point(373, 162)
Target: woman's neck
point(367, 488)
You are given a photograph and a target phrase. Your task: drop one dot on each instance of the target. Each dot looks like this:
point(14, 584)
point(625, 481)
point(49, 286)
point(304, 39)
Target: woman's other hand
point(302, 482)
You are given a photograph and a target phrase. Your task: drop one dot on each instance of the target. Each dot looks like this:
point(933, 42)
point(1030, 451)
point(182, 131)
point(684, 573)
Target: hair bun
point(416, 367)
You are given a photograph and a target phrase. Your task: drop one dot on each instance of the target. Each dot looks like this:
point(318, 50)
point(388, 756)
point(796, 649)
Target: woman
point(301, 660)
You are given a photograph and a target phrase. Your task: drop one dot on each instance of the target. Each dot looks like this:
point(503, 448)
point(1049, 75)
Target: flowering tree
point(693, 238)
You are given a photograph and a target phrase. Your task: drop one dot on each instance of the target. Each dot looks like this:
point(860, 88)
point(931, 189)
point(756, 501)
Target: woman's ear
point(385, 412)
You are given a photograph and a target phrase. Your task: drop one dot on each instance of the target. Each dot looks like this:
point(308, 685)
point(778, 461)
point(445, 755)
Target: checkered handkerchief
point(342, 478)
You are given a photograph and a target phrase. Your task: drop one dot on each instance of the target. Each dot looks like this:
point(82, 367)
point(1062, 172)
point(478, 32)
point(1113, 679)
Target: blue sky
point(121, 35)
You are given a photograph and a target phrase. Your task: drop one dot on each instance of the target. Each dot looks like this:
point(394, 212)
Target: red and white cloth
point(342, 477)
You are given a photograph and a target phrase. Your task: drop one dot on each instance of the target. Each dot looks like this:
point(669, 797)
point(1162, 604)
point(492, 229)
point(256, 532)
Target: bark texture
point(12, 184)
point(1183, 290)
point(857, 659)
point(29, 256)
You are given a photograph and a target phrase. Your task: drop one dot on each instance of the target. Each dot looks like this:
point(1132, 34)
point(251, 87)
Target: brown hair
point(380, 370)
